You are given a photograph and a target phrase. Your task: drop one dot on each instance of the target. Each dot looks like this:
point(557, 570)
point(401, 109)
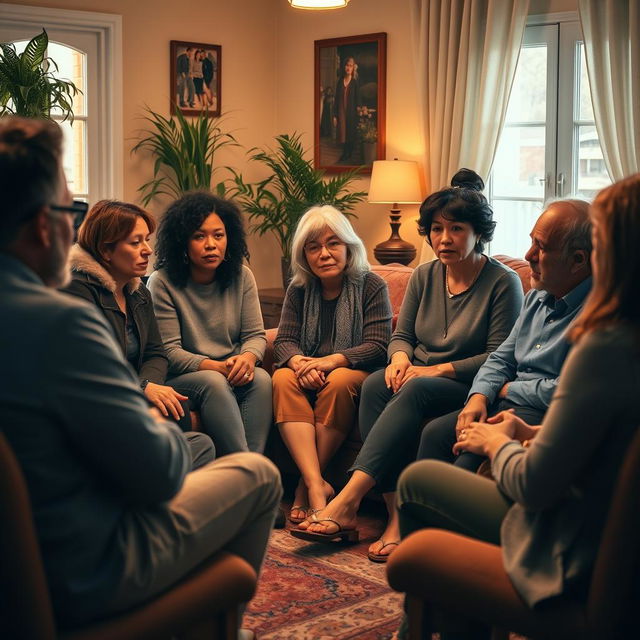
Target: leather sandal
point(298, 507)
point(341, 535)
point(382, 557)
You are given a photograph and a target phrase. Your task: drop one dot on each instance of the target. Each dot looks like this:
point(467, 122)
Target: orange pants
point(334, 405)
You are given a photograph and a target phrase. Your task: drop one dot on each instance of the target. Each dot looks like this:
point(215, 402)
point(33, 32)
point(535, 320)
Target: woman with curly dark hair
point(456, 310)
point(206, 302)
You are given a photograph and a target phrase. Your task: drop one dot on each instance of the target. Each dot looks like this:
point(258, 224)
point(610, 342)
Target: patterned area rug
point(313, 591)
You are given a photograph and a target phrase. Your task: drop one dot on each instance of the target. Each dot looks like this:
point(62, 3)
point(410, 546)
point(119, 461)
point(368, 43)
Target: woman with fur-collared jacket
point(107, 263)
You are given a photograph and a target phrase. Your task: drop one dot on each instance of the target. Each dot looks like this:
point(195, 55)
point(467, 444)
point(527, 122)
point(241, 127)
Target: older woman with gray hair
point(334, 330)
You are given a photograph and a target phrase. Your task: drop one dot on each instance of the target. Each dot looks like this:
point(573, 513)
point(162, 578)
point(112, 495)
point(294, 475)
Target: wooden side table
point(271, 306)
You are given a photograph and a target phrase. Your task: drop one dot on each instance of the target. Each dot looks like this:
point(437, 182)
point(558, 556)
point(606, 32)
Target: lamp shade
point(395, 182)
point(318, 4)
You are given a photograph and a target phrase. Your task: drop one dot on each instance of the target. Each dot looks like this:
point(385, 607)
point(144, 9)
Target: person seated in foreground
point(522, 373)
point(456, 311)
point(107, 263)
point(119, 519)
point(206, 301)
point(335, 327)
point(550, 500)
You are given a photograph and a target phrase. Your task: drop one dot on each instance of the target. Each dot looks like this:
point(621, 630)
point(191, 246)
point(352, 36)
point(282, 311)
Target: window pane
point(514, 219)
point(528, 100)
point(518, 168)
point(71, 66)
point(585, 108)
point(20, 45)
point(74, 156)
point(592, 173)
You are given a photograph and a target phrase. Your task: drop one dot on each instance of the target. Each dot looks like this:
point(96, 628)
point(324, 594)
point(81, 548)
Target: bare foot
point(320, 495)
point(337, 511)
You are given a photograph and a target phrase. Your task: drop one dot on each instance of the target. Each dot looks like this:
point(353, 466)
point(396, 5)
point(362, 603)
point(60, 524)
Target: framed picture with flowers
point(349, 102)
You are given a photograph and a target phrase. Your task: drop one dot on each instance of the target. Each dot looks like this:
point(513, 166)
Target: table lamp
point(395, 182)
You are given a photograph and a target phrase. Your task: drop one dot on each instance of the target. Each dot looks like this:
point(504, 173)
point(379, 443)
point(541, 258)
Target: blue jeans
point(236, 418)
point(390, 424)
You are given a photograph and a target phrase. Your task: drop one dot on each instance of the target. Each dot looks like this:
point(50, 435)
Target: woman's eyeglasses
point(333, 246)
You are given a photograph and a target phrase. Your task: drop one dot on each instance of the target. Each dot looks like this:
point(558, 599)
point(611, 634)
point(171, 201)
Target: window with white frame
point(549, 145)
point(72, 65)
point(86, 47)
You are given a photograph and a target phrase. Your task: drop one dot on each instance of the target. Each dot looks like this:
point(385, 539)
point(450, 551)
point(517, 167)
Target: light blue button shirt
point(531, 358)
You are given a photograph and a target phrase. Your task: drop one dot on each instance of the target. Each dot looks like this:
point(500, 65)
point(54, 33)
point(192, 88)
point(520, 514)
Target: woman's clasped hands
point(311, 372)
point(240, 368)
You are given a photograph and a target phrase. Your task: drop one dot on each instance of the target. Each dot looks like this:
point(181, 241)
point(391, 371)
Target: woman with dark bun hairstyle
point(206, 302)
point(456, 310)
point(468, 179)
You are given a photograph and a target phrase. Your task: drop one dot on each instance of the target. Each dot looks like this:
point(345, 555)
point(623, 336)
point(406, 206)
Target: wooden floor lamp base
point(395, 249)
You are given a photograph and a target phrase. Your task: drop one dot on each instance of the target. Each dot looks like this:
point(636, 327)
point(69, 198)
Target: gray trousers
point(229, 505)
point(235, 418)
point(435, 494)
point(201, 448)
point(390, 424)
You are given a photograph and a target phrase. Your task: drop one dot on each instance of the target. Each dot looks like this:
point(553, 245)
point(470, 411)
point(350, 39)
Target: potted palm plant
point(28, 86)
point(184, 150)
point(276, 203)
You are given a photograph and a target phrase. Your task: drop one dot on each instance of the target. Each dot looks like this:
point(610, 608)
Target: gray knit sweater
point(433, 328)
point(199, 321)
point(376, 326)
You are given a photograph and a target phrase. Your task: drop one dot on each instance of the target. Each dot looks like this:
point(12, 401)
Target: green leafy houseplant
point(276, 203)
point(28, 86)
point(184, 151)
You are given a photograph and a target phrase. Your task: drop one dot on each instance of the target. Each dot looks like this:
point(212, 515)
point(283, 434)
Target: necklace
point(473, 281)
point(448, 294)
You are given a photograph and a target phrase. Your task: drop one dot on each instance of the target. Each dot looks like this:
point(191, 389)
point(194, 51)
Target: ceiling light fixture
point(318, 4)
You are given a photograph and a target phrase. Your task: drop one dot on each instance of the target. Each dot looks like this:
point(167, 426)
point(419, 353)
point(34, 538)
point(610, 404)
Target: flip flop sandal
point(298, 507)
point(382, 557)
point(341, 535)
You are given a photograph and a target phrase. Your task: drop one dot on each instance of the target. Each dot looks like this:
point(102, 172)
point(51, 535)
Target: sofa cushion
point(521, 267)
point(397, 277)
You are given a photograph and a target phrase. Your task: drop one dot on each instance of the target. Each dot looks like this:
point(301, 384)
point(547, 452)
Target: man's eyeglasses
point(77, 208)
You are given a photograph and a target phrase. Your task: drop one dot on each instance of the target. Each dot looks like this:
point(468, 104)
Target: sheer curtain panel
point(466, 53)
point(611, 30)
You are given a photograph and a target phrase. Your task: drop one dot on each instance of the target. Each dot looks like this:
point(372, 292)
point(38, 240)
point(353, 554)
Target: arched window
point(72, 65)
point(87, 49)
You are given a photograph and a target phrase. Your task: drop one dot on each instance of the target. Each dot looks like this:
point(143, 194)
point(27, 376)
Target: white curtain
point(611, 30)
point(466, 53)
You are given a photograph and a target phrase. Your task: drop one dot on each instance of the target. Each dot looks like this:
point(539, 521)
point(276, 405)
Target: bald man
point(522, 374)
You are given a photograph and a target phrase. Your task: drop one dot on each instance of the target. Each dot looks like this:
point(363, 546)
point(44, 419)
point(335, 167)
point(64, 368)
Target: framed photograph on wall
point(195, 77)
point(350, 101)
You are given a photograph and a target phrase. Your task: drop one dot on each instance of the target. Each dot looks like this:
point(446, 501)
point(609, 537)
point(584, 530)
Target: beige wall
point(296, 31)
point(267, 82)
point(245, 29)
point(537, 7)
